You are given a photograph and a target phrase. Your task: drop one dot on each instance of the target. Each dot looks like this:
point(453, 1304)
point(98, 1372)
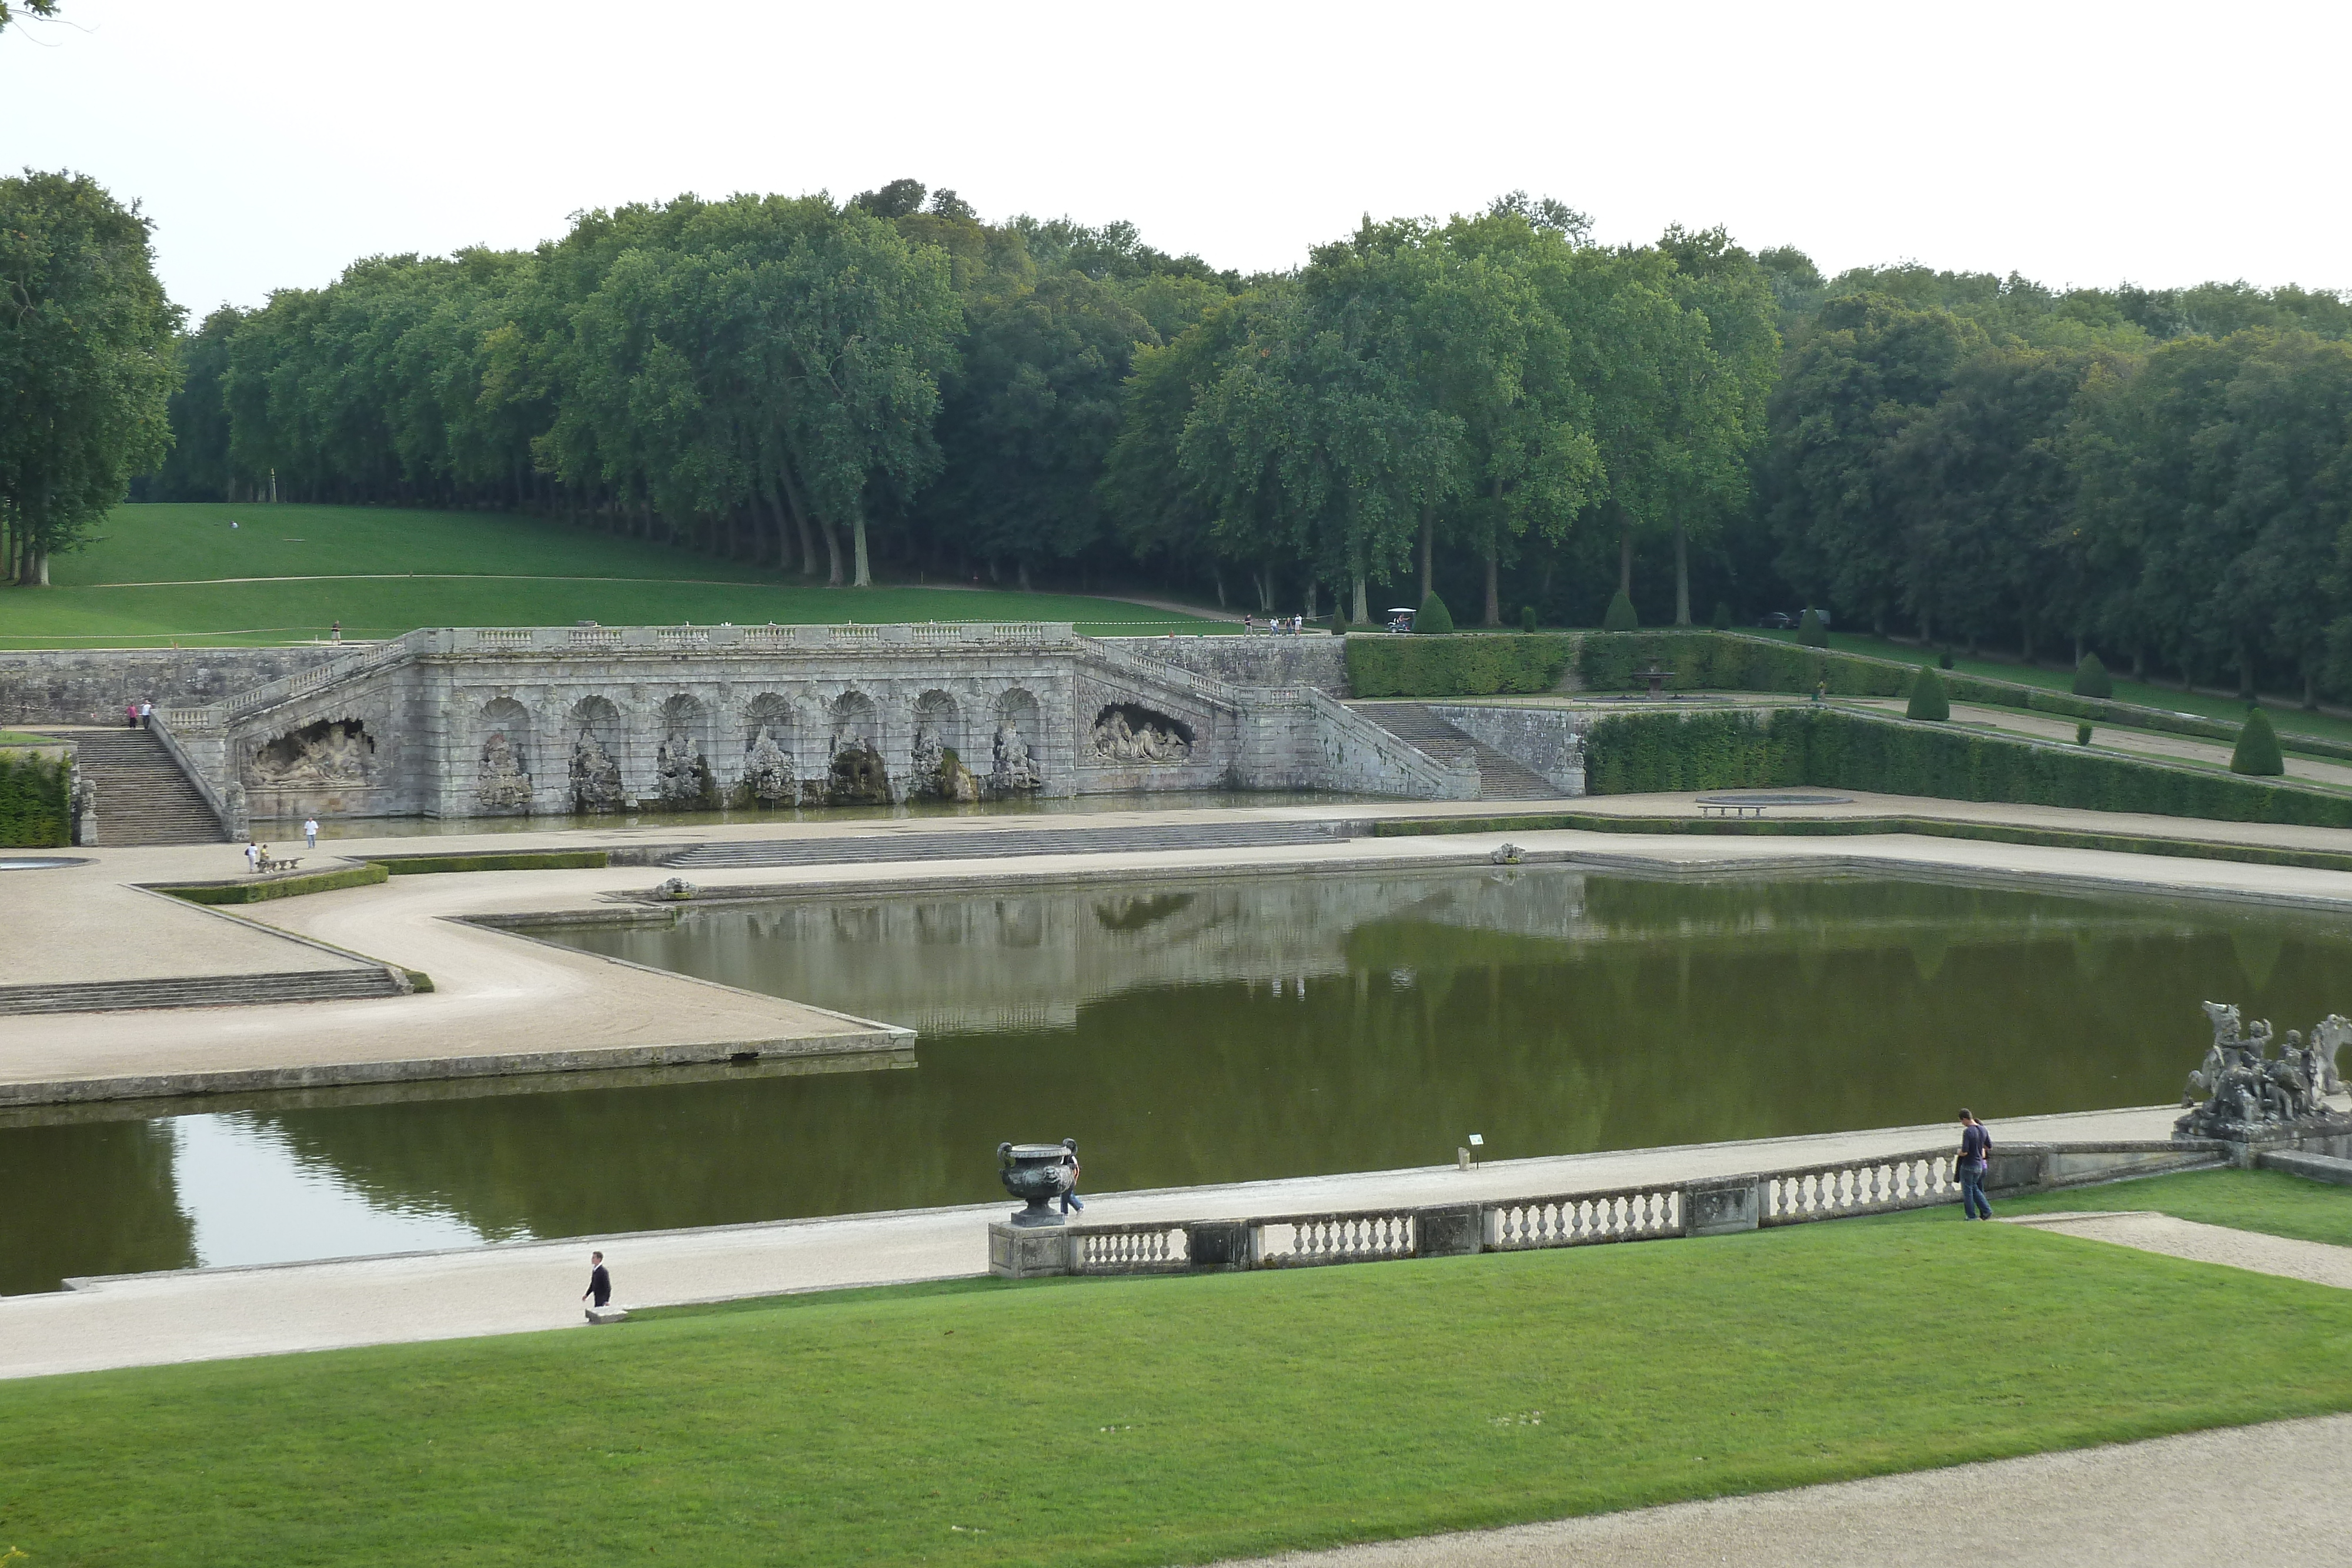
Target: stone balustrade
point(1712, 1205)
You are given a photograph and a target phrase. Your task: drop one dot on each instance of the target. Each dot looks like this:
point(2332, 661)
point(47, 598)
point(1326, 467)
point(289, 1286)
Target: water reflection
point(1208, 1031)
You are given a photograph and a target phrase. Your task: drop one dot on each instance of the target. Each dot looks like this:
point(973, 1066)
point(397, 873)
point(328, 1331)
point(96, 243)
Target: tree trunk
point(2245, 673)
point(2310, 692)
point(1927, 630)
point(1682, 576)
point(2025, 637)
point(832, 552)
point(1626, 562)
point(1219, 579)
point(1428, 543)
point(40, 568)
point(858, 543)
point(1310, 599)
point(1494, 577)
point(1023, 578)
point(1363, 604)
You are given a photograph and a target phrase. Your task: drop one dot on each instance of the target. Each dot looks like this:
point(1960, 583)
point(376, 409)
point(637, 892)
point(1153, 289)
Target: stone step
point(141, 793)
point(989, 844)
point(1500, 776)
point(203, 991)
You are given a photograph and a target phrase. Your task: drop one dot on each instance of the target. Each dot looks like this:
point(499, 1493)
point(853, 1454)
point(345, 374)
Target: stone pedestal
point(1227, 1244)
point(1020, 1252)
point(1446, 1230)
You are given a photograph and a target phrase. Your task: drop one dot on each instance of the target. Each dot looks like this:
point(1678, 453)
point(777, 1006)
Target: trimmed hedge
point(1635, 754)
point(1619, 616)
point(1841, 827)
point(1433, 619)
point(547, 860)
point(35, 801)
point(1732, 662)
point(2257, 751)
point(1927, 699)
point(2092, 680)
point(1466, 664)
point(276, 887)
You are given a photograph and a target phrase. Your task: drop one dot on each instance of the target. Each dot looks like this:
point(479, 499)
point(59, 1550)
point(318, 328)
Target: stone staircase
point(993, 843)
point(1501, 777)
point(142, 795)
point(204, 991)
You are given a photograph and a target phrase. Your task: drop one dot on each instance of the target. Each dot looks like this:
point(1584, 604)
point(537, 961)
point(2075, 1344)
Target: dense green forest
point(1492, 406)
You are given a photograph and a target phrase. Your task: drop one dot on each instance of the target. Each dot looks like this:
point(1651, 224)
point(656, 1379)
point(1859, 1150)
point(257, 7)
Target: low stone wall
point(92, 685)
point(1314, 659)
point(1549, 741)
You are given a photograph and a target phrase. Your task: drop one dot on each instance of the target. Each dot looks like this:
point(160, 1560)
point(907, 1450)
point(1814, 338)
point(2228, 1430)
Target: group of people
point(136, 715)
point(1293, 624)
point(258, 857)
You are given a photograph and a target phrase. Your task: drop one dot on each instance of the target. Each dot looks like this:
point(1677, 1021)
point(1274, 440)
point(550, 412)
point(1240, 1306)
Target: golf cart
point(1400, 619)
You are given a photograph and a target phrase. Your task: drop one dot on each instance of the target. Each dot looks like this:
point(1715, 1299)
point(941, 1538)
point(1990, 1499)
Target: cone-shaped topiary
point(2258, 748)
point(1722, 621)
point(1620, 616)
point(1433, 616)
point(2092, 680)
point(1526, 617)
point(1339, 623)
point(1811, 631)
point(1927, 698)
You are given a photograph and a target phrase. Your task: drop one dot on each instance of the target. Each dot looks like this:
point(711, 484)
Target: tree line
point(1493, 408)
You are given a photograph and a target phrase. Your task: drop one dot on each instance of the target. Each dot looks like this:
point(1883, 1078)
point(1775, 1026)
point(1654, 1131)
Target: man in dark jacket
point(600, 1284)
point(1976, 1155)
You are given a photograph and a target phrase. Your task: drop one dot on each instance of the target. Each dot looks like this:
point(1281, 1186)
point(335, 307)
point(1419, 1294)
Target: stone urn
point(1035, 1173)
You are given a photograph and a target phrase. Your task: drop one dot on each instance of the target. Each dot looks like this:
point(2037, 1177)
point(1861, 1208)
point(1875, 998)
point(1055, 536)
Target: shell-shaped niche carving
point(1127, 732)
point(332, 751)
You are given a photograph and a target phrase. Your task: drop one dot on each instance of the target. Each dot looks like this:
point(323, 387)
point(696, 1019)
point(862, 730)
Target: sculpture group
point(2242, 1091)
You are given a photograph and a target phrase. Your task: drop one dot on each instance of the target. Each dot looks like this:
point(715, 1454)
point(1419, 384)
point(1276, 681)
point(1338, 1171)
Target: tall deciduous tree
point(87, 362)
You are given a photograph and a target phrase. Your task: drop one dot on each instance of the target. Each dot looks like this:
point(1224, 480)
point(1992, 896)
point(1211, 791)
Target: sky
point(274, 141)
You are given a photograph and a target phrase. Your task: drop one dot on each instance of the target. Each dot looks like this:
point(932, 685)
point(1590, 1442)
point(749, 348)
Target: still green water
point(1218, 1031)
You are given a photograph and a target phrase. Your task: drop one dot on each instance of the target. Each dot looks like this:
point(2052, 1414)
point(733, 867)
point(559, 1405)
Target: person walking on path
point(1976, 1155)
point(335, 634)
point(131, 715)
point(599, 1293)
point(311, 833)
point(252, 857)
point(1070, 1198)
point(146, 715)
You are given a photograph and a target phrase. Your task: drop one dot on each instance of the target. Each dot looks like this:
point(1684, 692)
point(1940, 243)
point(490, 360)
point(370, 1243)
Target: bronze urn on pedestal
point(1037, 1173)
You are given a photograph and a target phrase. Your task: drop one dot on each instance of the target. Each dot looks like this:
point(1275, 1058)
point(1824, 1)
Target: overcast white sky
point(274, 141)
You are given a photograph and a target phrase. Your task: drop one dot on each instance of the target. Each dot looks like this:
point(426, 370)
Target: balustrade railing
point(1857, 1186)
point(1579, 1219)
point(594, 637)
point(1300, 1240)
point(1131, 1250)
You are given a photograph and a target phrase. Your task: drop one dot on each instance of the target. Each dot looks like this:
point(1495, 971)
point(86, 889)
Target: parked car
point(1777, 621)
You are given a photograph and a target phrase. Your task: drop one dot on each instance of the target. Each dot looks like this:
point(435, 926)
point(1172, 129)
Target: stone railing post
point(1721, 1206)
point(1447, 1230)
point(1221, 1245)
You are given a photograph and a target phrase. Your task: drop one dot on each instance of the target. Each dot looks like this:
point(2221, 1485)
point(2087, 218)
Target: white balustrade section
point(1857, 1186)
point(1131, 1250)
point(1300, 1240)
point(1579, 1219)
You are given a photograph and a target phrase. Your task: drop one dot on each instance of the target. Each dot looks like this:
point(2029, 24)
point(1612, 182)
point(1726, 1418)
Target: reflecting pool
point(1213, 1031)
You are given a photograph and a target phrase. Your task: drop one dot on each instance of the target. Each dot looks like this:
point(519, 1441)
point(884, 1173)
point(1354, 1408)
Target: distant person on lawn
point(335, 634)
point(1976, 1157)
point(600, 1284)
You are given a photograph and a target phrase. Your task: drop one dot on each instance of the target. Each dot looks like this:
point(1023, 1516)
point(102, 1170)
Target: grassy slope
point(473, 569)
point(2204, 705)
point(1176, 1419)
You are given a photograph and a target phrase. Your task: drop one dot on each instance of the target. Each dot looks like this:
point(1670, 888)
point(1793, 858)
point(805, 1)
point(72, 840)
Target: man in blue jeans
point(1976, 1154)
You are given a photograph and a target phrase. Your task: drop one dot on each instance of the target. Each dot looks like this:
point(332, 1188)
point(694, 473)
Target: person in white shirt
point(311, 833)
point(252, 856)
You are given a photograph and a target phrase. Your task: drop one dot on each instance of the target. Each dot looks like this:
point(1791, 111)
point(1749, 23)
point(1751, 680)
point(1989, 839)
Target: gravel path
point(2265, 1494)
point(2314, 1260)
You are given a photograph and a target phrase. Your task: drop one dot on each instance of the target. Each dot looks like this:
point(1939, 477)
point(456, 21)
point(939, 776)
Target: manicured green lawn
point(1171, 1420)
point(2249, 1200)
point(2204, 704)
point(289, 572)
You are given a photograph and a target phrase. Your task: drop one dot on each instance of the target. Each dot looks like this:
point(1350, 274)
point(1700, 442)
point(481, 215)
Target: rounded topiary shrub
point(2258, 748)
point(2082, 732)
point(2092, 680)
point(1434, 615)
point(1927, 698)
point(1526, 617)
point(1811, 631)
point(1620, 616)
point(1944, 660)
point(1722, 621)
